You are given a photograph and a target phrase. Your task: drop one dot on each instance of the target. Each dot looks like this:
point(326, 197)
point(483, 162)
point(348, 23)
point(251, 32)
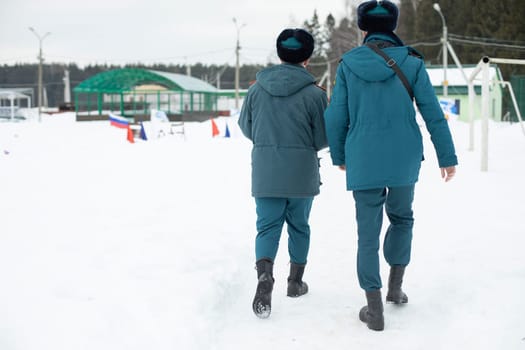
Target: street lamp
point(445, 49)
point(237, 67)
point(40, 61)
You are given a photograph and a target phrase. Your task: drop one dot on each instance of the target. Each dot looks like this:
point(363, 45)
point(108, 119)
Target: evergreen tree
point(322, 35)
point(475, 28)
point(329, 27)
point(345, 37)
point(406, 28)
point(428, 31)
point(313, 26)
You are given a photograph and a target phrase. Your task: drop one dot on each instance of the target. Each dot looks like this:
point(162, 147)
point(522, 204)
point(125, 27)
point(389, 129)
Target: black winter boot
point(372, 314)
point(395, 280)
point(262, 302)
point(296, 286)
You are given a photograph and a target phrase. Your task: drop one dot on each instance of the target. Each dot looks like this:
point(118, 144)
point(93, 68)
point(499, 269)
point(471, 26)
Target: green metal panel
point(518, 85)
point(121, 104)
point(134, 103)
point(100, 101)
point(88, 107)
point(210, 102)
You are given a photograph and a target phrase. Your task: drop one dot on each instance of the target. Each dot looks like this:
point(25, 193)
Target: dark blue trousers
point(271, 215)
point(369, 204)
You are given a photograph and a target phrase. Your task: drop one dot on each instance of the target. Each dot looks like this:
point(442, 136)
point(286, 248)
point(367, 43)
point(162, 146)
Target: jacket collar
point(389, 38)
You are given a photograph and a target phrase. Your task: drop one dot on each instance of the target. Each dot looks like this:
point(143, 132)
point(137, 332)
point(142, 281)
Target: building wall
point(458, 89)
point(495, 104)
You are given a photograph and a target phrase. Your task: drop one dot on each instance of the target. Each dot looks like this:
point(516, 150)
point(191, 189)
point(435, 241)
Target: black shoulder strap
point(392, 64)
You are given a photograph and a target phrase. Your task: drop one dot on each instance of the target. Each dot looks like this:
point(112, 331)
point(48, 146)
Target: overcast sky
point(151, 31)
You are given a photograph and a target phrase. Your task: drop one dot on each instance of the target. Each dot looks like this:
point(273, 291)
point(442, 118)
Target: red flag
point(214, 129)
point(130, 135)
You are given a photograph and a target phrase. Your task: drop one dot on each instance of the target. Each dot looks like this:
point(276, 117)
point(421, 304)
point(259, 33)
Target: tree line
point(476, 28)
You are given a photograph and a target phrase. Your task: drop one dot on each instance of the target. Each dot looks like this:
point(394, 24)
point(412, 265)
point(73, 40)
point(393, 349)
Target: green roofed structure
point(133, 93)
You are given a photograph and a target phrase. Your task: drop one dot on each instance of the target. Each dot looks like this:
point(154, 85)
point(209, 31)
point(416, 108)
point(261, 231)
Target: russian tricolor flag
point(118, 121)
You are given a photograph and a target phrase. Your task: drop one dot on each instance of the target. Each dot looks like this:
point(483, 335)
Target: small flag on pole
point(450, 107)
point(130, 135)
point(143, 132)
point(118, 121)
point(214, 129)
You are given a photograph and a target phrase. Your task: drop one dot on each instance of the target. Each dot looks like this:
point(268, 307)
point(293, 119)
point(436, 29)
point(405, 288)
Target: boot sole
point(262, 302)
point(296, 294)
point(396, 301)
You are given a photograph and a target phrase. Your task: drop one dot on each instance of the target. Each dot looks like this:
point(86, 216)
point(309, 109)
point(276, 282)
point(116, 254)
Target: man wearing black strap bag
point(373, 135)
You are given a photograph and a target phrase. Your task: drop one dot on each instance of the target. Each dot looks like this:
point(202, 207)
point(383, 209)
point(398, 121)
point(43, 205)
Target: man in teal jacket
point(373, 135)
point(283, 116)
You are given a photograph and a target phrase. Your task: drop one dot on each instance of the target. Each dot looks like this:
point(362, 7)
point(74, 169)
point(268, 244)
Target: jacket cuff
point(449, 161)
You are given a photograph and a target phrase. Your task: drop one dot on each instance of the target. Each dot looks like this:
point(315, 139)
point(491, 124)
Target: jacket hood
point(369, 66)
point(284, 79)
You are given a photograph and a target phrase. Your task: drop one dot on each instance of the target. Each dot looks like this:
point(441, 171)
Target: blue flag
point(143, 132)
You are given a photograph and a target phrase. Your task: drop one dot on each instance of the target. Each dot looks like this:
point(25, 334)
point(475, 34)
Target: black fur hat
point(377, 16)
point(295, 45)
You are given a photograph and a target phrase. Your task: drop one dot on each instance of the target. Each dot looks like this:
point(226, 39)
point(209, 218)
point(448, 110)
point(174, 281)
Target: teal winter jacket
point(283, 116)
point(371, 120)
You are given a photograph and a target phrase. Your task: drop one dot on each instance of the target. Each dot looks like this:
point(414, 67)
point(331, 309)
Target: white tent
point(10, 101)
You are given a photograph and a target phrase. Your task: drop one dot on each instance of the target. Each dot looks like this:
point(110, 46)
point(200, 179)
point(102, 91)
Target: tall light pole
point(445, 49)
point(237, 66)
point(40, 62)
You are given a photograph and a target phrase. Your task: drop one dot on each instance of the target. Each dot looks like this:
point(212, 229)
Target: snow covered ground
point(110, 245)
